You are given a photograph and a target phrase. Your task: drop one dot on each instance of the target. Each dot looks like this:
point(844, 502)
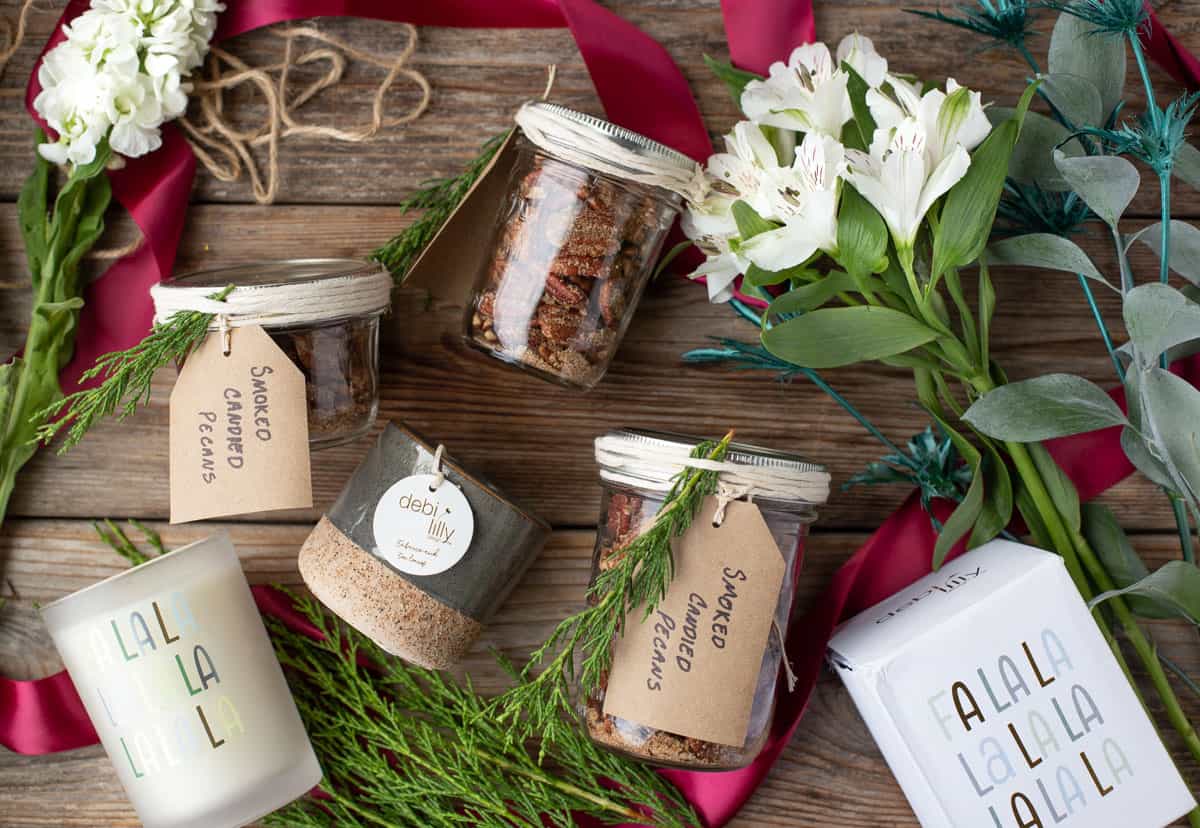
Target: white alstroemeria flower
point(120, 74)
point(733, 175)
point(950, 118)
point(804, 197)
point(807, 94)
point(859, 52)
point(899, 180)
point(723, 265)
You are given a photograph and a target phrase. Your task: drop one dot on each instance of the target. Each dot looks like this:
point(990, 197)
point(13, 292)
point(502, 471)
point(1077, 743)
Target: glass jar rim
point(743, 454)
point(269, 273)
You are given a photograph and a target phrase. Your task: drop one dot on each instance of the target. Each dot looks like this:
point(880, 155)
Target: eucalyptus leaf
point(1132, 443)
point(1187, 165)
point(733, 77)
point(1062, 491)
point(1184, 256)
point(1055, 405)
point(1106, 182)
point(862, 235)
point(969, 210)
point(1033, 156)
point(1117, 554)
point(1045, 250)
point(960, 521)
point(1174, 406)
point(1175, 585)
point(833, 337)
point(1075, 97)
point(1159, 317)
point(749, 222)
point(809, 297)
point(1076, 48)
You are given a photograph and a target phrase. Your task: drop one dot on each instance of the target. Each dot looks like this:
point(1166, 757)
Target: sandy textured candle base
point(384, 606)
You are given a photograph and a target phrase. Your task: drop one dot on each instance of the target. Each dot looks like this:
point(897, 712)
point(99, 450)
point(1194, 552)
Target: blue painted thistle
point(929, 462)
point(1114, 17)
point(1003, 21)
point(1154, 136)
point(1027, 208)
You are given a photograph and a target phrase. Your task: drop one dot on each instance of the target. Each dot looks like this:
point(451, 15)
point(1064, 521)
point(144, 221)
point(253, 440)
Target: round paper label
point(420, 530)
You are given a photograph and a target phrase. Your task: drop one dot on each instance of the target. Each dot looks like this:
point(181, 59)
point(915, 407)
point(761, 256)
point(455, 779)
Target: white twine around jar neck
point(583, 144)
point(653, 465)
point(278, 305)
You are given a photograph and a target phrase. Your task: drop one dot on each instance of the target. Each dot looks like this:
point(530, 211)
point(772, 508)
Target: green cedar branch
point(536, 706)
point(127, 377)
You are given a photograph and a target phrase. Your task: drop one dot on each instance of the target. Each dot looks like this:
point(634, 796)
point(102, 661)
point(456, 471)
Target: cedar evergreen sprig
point(536, 706)
point(438, 198)
point(127, 375)
point(115, 536)
point(402, 745)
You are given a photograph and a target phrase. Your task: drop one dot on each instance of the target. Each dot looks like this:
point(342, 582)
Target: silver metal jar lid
point(604, 147)
point(652, 459)
point(279, 293)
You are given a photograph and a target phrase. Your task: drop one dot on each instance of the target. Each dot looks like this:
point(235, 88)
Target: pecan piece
point(559, 324)
point(564, 291)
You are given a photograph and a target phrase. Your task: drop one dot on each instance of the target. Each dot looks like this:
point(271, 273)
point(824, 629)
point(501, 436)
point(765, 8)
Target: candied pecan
point(565, 291)
point(612, 300)
point(591, 267)
point(559, 324)
point(487, 303)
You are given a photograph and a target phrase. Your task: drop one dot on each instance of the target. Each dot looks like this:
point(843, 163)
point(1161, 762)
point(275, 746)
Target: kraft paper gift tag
point(691, 668)
point(448, 266)
point(239, 430)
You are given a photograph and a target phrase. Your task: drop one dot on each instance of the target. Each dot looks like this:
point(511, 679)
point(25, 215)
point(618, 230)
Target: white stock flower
point(119, 75)
point(804, 197)
point(900, 179)
point(859, 52)
point(807, 94)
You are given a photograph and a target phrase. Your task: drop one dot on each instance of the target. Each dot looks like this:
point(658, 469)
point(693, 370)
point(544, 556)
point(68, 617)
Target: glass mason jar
point(572, 250)
point(629, 503)
point(338, 352)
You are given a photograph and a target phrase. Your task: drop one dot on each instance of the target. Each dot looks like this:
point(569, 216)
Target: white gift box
point(998, 704)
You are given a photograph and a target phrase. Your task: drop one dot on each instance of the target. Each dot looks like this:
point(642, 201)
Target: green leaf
point(1077, 49)
point(1062, 491)
point(88, 230)
point(1122, 563)
point(987, 309)
point(1187, 165)
point(862, 235)
point(1106, 182)
point(1075, 97)
point(32, 206)
point(1158, 317)
point(1033, 156)
point(832, 337)
point(809, 297)
point(1175, 408)
point(749, 222)
point(961, 520)
point(755, 276)
point(1175, 586)
point(734, 78)
point(1042, 408)
point(1184, 256)
point(996, 511)
point(861, 130)
point(970, 207)
point(1132, 443)
point(1045, 250)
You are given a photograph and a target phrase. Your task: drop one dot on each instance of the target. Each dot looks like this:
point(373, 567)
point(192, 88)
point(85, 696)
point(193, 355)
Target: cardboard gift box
point(998, 704)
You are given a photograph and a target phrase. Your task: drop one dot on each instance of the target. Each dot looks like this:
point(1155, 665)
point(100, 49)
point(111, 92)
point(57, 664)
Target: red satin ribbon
point(1166, 50)
point(46, 716)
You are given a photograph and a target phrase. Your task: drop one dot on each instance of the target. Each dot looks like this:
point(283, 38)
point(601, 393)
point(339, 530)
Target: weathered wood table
point(532, 438)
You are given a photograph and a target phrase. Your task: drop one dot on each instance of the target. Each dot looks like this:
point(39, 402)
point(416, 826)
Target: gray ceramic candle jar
point(418, 553)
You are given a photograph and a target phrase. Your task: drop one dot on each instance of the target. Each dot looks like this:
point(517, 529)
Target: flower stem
point(1108, 343)
point(1139, 55)
point(1183, 527)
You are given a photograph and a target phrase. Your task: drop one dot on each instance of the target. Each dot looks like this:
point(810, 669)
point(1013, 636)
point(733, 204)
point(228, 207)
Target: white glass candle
point(174, 665)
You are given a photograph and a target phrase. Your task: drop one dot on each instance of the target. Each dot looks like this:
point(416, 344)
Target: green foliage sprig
point(127, 377)
point(115, 536)
point(402, 745)
point(56, 240)
point(541, 704)
point(438, 198)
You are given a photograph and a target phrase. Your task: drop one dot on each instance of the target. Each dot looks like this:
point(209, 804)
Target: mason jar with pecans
point(588, 208)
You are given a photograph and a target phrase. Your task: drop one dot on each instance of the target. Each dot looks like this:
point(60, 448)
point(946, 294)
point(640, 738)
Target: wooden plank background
point(532, 438)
